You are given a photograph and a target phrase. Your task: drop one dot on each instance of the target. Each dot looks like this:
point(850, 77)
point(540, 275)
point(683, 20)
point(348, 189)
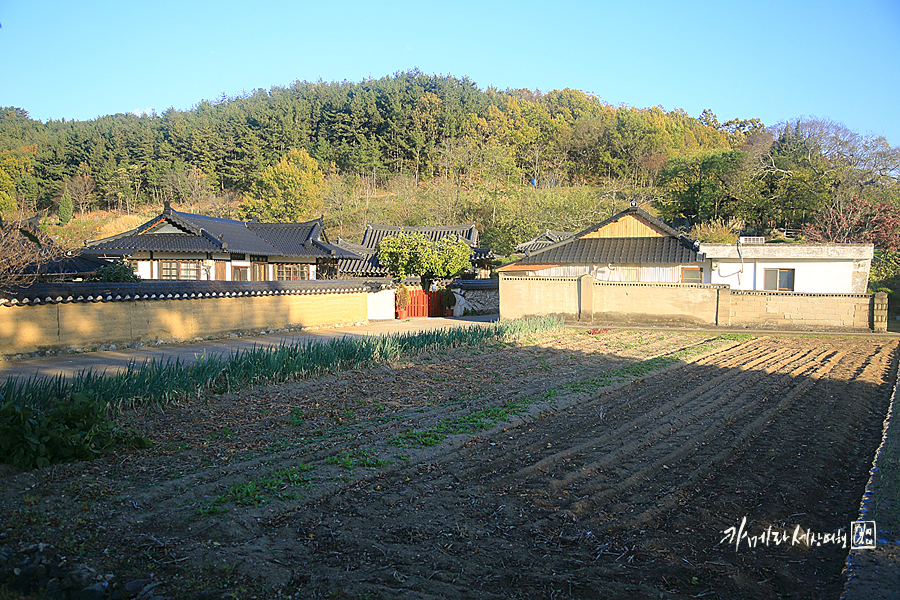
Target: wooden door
point(425, 304)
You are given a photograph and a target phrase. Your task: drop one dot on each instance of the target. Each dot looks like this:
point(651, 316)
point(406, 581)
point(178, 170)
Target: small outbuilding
point(631, 246)
point(752, 264)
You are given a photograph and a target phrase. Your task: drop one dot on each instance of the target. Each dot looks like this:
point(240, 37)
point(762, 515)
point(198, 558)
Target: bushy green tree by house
point(116, 272)
point(407, 254)
point(289, 192)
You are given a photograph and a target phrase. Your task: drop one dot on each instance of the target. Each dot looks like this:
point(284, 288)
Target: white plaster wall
point(380, 305)
point(810, 276)
point(145, 269)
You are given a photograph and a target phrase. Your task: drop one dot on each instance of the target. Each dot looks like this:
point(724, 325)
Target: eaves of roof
point(660, 250)
point(375, 233)
point(520, 266)
point(216, 235)
point(628, 211)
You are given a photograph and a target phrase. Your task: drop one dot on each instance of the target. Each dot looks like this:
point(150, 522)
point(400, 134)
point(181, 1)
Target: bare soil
point(579, 465)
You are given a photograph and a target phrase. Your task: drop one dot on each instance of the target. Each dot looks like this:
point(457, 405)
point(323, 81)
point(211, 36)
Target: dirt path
point(594, 484)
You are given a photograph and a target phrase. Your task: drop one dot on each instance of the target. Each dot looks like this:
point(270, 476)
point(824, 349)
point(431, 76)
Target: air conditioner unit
point(751, 239)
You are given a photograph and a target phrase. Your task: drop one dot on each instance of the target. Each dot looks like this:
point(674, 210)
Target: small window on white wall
point(691, 275)
point(779, 280)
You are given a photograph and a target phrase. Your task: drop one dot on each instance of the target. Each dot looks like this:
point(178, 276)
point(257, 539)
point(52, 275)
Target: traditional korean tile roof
point(174, 231)
point(367, 261)
point(618, 251)
point(474, 284)
point(151, 289)
point(71, 264)
point(375, 233)
point(542, 240)
point(294, 239)
point(671, 247)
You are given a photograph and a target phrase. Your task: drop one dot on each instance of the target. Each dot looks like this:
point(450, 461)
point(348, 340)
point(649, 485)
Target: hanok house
point(176, 245)
point(548, 237)
point(632, 246)
point(366, 264)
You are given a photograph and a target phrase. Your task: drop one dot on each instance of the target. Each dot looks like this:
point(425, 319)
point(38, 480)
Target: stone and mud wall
point(584, 299)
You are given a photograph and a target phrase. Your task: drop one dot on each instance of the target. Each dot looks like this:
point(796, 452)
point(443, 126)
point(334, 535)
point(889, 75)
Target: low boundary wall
point(84, 316)
point(476, 296)
point(584, 299)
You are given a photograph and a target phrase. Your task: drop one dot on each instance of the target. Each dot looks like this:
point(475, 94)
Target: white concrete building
point(803, 268)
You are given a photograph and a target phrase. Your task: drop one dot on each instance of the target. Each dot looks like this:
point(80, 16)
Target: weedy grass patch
point(489, 417)
point(76, 430)
point(361, 457)
point(275, 486)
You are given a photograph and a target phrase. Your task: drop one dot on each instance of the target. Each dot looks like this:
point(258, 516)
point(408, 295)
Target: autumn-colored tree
point(24, 251)
point(290, 191)
point(190, 186)
point(857, 221)
point(82, 188)
point(12, 169)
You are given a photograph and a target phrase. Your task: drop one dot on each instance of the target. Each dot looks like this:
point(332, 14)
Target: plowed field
point(604, 464)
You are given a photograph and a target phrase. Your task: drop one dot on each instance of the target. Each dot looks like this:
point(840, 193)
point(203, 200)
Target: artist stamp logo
point(862, 535)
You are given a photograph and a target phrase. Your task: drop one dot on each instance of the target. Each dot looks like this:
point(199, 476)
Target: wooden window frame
point(168, 268)
point(286, 272)
point(255, 269)
point(180, 268)
point(236, 269)
point(692, 269)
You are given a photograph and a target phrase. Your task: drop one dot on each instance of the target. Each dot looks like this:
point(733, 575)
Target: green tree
point(66, 207)
point(290, 191)
point(12, 170)
point(116, 272)
point(700, 184)
point(403, 254)
point(408, 254)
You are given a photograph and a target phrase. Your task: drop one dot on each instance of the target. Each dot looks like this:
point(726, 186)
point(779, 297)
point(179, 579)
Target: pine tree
point(66, 207)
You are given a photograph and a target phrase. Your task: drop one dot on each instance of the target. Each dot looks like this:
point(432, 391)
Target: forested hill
point(443, 150)
point(408, 123)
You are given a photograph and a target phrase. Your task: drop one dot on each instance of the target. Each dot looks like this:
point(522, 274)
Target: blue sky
point(770, 60)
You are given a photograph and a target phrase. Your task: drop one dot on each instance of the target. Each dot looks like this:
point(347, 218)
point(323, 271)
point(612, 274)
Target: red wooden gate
point(425, 304)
